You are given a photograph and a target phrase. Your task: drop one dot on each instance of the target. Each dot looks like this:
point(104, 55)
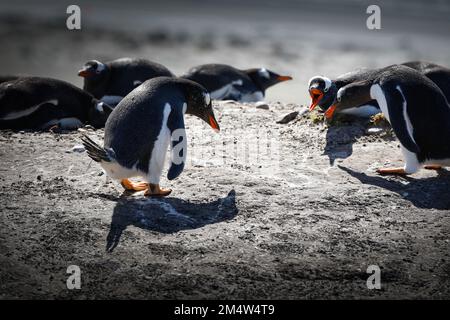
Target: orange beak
point(213, 123)
point(83, 73)
point(284, 78)
point(316, 96)
point(330, 111)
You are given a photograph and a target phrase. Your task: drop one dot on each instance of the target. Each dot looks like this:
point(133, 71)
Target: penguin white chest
point(161, 144)
point(377, 93)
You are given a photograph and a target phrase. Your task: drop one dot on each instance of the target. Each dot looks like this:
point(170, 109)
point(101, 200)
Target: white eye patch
point(264, 73)
point(207, 99)
point(99, 107)
point(340, 93)
point(327, 81)
point(100, 66)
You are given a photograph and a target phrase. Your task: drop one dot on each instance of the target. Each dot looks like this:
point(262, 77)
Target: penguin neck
point(361, 94)
point(98, 87)
point(256, 79)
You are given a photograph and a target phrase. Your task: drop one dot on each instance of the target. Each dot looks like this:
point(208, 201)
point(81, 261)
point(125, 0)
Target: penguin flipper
point(175, 123)
point(399, 119)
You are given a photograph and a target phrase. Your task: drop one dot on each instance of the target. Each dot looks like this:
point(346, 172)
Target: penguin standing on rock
point(43, 103)
point(140, 129)
point(111, 81)
point(225, 82)
point(323, 90)
point(417, 110)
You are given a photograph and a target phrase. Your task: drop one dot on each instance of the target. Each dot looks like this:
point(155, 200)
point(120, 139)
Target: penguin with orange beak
point(113, 80)
point(139, 130)
point(417, 110)
point(225, 82)
point(323, 91)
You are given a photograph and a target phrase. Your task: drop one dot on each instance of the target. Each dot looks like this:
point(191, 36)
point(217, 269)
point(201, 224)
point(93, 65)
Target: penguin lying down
point(113, 80)
point(417, 110)
point(141, 127)
point(225, 82)
point(43, 103)
point(323, 90)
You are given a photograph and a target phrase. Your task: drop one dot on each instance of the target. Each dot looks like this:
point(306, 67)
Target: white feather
point(158, 154)
point(252, 97)
point(412, 164)
point(409, 126)
point(226, 90)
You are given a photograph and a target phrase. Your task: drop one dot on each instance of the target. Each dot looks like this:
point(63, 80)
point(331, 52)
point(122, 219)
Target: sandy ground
point(262, 210)
point(289, 225)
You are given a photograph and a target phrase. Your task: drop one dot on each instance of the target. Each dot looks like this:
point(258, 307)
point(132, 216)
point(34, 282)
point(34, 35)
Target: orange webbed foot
point(155, 191)
point(393, 171)
point(134, 186)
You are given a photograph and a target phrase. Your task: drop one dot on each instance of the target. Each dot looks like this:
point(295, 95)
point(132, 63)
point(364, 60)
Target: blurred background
point(300, 38)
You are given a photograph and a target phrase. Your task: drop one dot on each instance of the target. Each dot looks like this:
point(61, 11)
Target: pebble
point(288, 117)
point(374, 130)
point(262, 105)
point(77, 148)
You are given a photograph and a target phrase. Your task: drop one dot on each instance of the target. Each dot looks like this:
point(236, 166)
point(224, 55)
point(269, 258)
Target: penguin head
point(264, 78)
point(322, 91)
point(350, 96)
point(99, 113)
point(94, 70)
point(199, 103)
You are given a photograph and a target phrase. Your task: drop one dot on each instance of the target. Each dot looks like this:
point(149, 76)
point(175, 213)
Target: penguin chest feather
point(119, 172)
point(158, 154)
point(411, 160)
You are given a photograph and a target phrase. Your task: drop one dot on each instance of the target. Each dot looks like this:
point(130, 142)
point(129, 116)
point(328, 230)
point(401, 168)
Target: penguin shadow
point(340, 140)
point(167, 215)
point(424, 193)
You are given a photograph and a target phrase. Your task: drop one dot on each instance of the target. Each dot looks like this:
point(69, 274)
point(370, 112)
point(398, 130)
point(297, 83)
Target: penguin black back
point(119, 77)
point(36, 102)
point(225, 82)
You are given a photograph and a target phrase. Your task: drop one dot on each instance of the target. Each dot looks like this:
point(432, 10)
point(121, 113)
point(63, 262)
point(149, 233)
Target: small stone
point(374, 130)
point(262, 105)
point(77, 148)
point(89, 127)
point(288, 117)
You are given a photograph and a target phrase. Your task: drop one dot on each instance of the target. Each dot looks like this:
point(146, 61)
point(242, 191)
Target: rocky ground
point(303, 215)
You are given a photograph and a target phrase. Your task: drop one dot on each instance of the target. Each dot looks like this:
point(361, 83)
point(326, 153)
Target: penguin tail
point(94, 151)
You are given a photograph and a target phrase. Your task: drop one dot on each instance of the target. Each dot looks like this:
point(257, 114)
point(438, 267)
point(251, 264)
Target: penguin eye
point(326, 89)
point(339, 98)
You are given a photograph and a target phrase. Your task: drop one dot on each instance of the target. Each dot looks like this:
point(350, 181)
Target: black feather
point(94, 151)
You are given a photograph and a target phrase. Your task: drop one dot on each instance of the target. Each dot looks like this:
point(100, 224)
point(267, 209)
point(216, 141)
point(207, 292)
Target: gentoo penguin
point(43, 103)
point(111, 81)
point(323, 90)
point(225, 82)
point(140, 128)
point(417, 110)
